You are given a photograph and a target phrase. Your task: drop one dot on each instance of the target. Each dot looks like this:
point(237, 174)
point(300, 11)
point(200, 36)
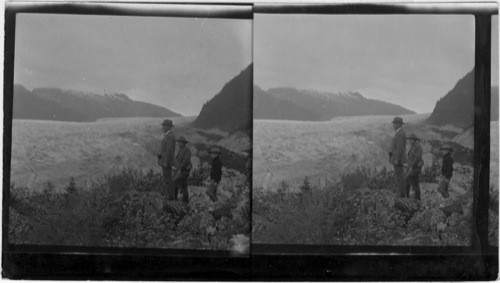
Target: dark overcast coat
point(216, 170)
point(397, 151)
point(447, 168)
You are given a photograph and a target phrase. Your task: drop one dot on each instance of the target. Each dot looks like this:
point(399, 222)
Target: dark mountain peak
point(27, 105)
point(19, 87)
point(230, 109)
point(257, 88)
point(457, 106)
point(266, 106)
point(357, 95)
point(122, 96)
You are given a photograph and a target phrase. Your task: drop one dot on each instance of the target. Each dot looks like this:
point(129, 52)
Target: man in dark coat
point(397, 155)
point(415, 163)
point(446, 170)
point(166, 157)
point(183, 169)
point(215, 174)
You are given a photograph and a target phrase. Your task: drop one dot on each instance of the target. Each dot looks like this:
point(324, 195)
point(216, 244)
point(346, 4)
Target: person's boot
point(443, 192)
point(446, 195)
point(213, 196)
point(208, 192)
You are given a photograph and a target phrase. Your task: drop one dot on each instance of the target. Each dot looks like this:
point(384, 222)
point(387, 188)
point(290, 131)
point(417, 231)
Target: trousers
point(212, 190)
point(443, 187)
point(399, 180)
point(413, 181)
point(180, 184)
point(169, 186)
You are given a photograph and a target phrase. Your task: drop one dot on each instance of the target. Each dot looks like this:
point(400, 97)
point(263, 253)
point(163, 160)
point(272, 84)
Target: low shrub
point(364, 177)
point(305, 187)
point(129, 179)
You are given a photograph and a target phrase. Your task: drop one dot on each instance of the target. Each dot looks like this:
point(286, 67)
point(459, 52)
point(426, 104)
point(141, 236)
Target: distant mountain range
point(66, 105)
point(311, 105)
point(267, 106)
point(231, 109)
point(457, 106)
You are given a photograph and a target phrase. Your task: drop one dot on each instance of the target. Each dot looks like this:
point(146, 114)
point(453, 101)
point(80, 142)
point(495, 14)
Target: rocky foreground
point(364, 210)
point(134, 216)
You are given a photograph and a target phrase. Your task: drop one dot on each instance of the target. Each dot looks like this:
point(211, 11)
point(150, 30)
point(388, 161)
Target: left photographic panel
point(131, 130)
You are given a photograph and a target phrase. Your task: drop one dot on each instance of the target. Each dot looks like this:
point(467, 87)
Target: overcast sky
point(178, 63)
point(410, 60)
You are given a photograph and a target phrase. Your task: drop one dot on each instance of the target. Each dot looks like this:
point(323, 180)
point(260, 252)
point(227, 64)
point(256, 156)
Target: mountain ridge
point(267, 106)
point(231, 108)
point(456, 107)
point(79, 106)
point(326, 105)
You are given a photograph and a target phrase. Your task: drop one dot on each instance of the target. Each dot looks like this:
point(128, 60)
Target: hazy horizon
point(173, 62)
point(408, 60)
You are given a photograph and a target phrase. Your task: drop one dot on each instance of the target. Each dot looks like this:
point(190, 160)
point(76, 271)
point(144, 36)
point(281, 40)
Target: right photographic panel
point(363, 130)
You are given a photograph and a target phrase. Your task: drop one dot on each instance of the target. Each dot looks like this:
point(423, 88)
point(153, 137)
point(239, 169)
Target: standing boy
point(446, 170)
point(215, 174)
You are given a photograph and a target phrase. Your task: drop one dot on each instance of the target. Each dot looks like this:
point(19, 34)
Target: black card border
point(267, 262)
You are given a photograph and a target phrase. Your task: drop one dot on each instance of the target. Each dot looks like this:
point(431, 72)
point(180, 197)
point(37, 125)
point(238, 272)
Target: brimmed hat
point(398, 120)
point(447, 147)
point(167, 122)
point(182, 139)
point(215, 150)
point(413, 137)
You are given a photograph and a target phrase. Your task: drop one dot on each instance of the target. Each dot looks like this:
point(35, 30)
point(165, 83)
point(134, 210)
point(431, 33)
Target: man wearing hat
point(415, 163)
point(166, 154)
point(397, 155)
point(184, 166)
point(215, 174)
point(446, 170)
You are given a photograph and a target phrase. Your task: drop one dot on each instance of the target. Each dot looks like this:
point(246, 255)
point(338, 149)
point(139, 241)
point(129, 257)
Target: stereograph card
point(250, 141)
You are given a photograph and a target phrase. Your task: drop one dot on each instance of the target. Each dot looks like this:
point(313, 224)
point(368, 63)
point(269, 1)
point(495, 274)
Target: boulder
point(428, 219)
point(196, 223)
point(176, 208)
point(455, 219)
point(225, 209)
point(407, 206)
point(454, 207)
